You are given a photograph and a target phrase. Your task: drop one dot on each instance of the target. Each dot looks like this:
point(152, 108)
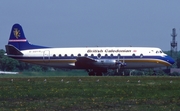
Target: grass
point(110, 93)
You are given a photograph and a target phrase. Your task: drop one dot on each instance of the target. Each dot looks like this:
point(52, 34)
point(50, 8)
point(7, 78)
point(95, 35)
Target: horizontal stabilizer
point(11, 50)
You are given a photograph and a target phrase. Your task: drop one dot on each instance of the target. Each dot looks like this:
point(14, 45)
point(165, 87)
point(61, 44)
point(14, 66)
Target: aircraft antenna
point(174, 45)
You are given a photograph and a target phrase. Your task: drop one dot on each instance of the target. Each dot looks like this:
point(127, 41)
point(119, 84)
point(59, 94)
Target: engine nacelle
point(110, 63)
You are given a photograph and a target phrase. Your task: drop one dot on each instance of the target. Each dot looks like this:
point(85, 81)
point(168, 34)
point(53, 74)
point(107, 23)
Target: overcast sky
point(75, 23)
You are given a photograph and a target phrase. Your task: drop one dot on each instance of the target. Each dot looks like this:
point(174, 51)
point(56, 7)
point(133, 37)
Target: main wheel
point(99, 74)
point(91, 73)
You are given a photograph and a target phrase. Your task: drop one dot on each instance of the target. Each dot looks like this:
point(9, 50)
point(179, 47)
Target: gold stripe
point(152, 61)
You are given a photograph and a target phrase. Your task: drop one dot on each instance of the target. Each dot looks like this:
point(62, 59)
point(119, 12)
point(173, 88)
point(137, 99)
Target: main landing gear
point(112, 72)
point(95, 72)
point(92, 73)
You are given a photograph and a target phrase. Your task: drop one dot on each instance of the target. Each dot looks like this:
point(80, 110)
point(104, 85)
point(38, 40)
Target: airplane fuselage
point(105, 57)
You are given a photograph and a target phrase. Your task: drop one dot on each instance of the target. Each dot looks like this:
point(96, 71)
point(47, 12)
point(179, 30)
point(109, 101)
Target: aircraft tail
point(18, 39)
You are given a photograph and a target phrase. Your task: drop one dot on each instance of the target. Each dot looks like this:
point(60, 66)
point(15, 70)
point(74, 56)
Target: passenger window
point(59, 55)
point(99, 55)
point(54, 55)
point(133, 55)
point(72, 55)
point(65, 55)
point(141, 56)
point(92, 55)
point(85, 55)
point(106, 55)
point(79, 55)
point(111, 55)
point(119, 55)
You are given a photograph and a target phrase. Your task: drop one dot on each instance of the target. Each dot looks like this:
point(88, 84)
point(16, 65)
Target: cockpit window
point(159, 52)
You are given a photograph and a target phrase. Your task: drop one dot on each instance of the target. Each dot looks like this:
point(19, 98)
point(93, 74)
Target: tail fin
point(18, 39)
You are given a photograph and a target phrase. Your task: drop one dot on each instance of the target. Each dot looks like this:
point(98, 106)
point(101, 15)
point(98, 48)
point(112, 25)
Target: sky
point(87, 23)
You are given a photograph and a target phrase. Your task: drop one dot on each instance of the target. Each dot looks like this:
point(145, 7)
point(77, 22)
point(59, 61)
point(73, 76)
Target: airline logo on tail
point(18, 40)
point(16, 33)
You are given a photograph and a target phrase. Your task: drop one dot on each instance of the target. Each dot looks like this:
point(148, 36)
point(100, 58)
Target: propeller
point(118, 68)
point(119, 63)
point(123, 63)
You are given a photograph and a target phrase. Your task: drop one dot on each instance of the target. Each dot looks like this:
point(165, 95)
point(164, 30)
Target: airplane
point(97, 61)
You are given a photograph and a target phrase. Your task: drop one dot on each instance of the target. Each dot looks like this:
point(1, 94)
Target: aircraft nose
point(170, 60)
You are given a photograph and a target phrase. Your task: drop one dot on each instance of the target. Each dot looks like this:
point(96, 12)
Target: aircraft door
point(46, 55)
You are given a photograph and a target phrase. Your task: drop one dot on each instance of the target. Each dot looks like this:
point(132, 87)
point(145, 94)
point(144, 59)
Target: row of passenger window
point(92, 55)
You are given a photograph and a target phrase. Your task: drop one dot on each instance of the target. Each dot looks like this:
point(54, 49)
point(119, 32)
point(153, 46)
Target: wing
point(83, 62)
point(85, 59)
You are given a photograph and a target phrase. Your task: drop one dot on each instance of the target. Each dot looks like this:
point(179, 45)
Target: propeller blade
point(118, 68)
